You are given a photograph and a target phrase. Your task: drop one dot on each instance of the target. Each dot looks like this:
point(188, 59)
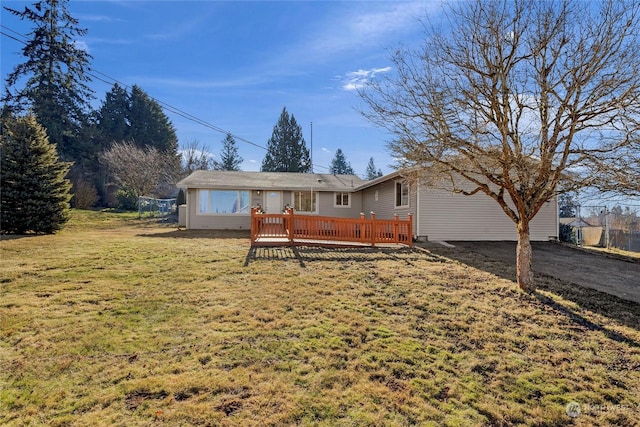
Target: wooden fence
point(290, 229)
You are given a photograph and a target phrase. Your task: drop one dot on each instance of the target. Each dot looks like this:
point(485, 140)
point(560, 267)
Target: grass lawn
point(119, 321)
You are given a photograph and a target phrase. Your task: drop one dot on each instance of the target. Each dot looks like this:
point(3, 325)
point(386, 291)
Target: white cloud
point(355, 80)
point(98, 18)
point(179, 29)
point(81, 45)
point(89, 42)
point(108, 41)
point(352, 28)
point(326, 150)
point(377, 23)
point(190, 83)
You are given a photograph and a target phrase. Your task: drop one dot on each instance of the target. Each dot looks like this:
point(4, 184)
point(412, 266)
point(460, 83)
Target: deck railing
point(288, 229)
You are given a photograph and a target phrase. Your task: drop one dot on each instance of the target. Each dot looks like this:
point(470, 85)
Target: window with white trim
point(402, 194)
point(341, 200)
point(304, 201)
point(223, 202)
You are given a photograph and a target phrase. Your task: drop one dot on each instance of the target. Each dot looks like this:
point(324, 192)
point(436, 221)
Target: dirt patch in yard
point(618, 276)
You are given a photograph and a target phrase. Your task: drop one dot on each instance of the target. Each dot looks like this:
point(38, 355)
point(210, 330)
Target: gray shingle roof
point(270, 181)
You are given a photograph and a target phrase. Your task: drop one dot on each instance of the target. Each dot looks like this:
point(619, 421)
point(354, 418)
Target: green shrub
point(85, 195)
point(568, 234)
point(181, 198)
point(127, 200)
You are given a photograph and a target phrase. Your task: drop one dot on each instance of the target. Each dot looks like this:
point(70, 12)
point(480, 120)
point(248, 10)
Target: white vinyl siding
point(381, 200)
point(449, 216)
point(326, 205)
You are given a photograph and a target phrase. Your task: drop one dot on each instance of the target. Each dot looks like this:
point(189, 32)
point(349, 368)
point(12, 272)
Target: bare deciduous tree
point(196, 156)
point(621, 177)
point(144, 171)
point(510, 98)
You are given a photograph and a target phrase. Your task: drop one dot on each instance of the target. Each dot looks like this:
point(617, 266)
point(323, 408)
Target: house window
point(342, 200)
point(402, 194)
point(304, 202)
point(223, 202)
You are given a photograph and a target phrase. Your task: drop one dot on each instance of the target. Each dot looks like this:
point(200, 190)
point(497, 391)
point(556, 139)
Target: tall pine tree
point(149, 126)
point(135, 117)
point(340, 165)
point(372, 173)
point(113, 121)
point(230, 160)
point(55, 75)
point(35, 193)
point(287, 150)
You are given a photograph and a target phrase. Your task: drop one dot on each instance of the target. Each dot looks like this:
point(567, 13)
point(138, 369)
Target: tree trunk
point(524, 274)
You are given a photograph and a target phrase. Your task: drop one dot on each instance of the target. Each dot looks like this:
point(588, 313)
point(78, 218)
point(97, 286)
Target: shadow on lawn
point(606, 305)
point(303, 254)
point(583, 321)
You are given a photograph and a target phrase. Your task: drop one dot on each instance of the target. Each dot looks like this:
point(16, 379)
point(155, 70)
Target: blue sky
point(236, 64)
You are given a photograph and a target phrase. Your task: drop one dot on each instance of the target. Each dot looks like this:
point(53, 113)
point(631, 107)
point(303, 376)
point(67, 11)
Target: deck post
point(289, 226)
point(374, 229)
point(254, 225)
point(396, 237)
point(410, 231)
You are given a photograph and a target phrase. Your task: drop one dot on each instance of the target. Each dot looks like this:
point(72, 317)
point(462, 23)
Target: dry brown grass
point(613, 252)
point(116, 321)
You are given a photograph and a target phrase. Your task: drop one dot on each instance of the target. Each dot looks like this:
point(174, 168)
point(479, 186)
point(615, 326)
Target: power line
point(110, 80)
point(15, 32)
point(178, 111)
point(188, 116)
point(168, 107)
point(10, 36)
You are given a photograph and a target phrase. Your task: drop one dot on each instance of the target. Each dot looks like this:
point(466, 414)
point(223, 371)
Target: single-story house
point(223, 200)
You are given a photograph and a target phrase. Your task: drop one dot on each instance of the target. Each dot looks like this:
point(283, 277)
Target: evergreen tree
point(135, 117)
point(230, 160)
point(113, 121)
point(286, 150)
point(371, 170)
point(567, 206)
point(149, 126)
point(55, 76)
point(35, 193)
point(340, 165)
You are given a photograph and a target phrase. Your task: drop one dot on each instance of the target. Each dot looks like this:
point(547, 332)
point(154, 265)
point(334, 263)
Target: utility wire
point(168, 107)
point(10, 36)
point(178, 111)
point(15, 32)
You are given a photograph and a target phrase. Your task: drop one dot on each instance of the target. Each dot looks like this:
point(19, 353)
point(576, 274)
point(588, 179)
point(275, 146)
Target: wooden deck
point(289, 229)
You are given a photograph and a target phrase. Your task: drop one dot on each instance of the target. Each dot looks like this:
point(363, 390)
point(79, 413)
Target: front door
point(273, 204)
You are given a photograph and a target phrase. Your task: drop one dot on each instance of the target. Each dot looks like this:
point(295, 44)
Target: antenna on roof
point(311, 150)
